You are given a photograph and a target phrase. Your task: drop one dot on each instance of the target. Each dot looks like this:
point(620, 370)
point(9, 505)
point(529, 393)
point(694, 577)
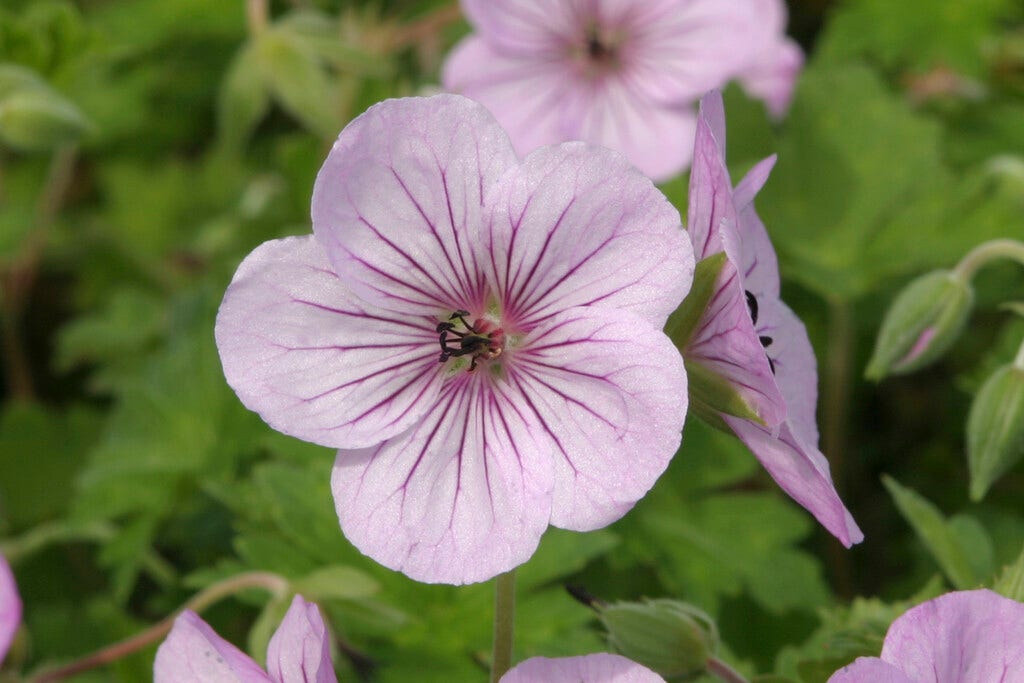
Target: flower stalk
point(724, 672)
point(504, 624)
point(987, 252)
point(273, 583)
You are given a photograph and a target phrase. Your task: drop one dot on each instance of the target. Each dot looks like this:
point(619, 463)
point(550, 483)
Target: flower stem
point(271, 582)
point(504, 620)
point(985, 252)
point(257, 13)
point(724, 672)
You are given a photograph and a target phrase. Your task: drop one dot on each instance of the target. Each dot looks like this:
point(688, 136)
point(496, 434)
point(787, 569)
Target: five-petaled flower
point(964, 637)
point(624, 74)
point(481, 337)
point(595, 668)
point(749, 337)
point(298, 652)
point(10, 608)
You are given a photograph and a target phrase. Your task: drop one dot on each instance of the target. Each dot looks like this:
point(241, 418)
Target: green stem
point(724, 672)
point(836, 390)
point(208, 596)
point(985, 252)
point(504, 620)
point(1018, 362)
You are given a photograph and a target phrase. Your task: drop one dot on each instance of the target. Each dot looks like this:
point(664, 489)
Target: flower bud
point(670, 637)
point(995, 428)
point(922, 323)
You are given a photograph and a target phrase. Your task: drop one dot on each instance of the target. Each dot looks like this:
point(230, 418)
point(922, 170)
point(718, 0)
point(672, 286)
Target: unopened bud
point(995, 428)
point(667, 636)
point(922, 323)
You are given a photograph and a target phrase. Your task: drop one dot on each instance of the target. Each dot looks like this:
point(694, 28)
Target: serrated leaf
point(942, 539)
point(335, 583)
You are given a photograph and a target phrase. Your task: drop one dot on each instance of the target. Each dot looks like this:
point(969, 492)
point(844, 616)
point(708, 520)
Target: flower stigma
point(483, 340)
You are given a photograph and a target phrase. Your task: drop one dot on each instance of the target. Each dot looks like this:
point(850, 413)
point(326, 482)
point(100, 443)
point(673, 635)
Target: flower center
point(599, 52)
point(483, 340)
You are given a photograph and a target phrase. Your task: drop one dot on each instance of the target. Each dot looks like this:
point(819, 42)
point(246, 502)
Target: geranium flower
point(963, 637)
point(596, 668)
point(750, 338)
point(10, 608)
point(298, 652)
point(480, 337)
point(624, 74)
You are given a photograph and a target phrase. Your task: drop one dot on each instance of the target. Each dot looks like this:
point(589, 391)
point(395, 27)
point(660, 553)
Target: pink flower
point(597, 668)
point(624, 74)
point(963, 637)
point(752, 339)
point(10, 608)
point(298, 652)
point(541, 287)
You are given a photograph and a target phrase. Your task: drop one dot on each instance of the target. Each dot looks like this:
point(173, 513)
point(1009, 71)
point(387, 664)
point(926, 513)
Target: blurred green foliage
point(174, 137)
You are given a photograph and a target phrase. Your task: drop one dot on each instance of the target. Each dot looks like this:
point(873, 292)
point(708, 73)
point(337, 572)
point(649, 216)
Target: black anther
point(751, 305)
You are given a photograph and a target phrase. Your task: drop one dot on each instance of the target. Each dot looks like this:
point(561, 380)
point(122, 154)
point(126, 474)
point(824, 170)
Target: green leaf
point(1011, 581)
point(683, 321)
point(37, 118)
point(266, 625)
point(299, 82)
point(338, 582)
point(948, 544)
point(995, 428)
point(243, 99)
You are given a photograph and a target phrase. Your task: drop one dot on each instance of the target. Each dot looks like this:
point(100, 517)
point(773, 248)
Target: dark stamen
point(765, 341)
point(751, 305)
point(479, 340)
point(771, 363)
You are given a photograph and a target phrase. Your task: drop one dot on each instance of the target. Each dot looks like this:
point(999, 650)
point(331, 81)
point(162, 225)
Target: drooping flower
point(624, 74)
point(596, 668)
point(298, 652)
point(749, 337)
point(964, 637)
point(10, 608)
point(480, 337)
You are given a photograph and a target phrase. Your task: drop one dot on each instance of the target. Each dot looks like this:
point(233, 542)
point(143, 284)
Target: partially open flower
point(298, 652)
point(747, 338)
point(481, 337)
point(963, 637)
point(10, 608)
point(624, 74)
point(596, 668)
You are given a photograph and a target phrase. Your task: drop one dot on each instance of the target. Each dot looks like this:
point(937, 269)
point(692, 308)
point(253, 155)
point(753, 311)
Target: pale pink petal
point(10, 607)
point(596, 668)
point(397, 203)
point(301, 350)
point(960, 637)
point(576, 226)
point(871, 670)
point(527, 27)
point(760, 266)
point(526, 95)
point(609, 391)
point(463, 496)
point(299, 651)
point(689, 47)
point(712, 218)
point(193, 652)
point(772, 75)
point(791, 456)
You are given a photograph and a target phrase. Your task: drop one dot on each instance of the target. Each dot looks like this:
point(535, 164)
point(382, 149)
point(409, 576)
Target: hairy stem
point(504, 619)
point(208, 596)
point(985, 252)
point(724, 672)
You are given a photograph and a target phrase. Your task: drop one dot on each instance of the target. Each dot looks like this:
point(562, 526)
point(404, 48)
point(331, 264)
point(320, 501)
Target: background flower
point(596, 668)
point(10, 608)
point(621, 73)
point(298, 652)
point(963, 637)
point(752, 339)
point(557, 399)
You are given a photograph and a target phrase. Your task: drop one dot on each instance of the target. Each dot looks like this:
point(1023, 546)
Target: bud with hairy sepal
point(670, 637)
point(995, 428)
point(922, 323)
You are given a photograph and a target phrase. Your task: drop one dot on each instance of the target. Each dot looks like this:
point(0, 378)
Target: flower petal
point(964, 636)
point(526, 26)
point(576, 226)
point(760, 265)
point(299, 349)
point(397, 203)
point(299, 651)
point(609, 390)
point(460, 498)
point(771, 77)
point(596, 668)
point(194, 652)
point(870, 670)
point(10, 607)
